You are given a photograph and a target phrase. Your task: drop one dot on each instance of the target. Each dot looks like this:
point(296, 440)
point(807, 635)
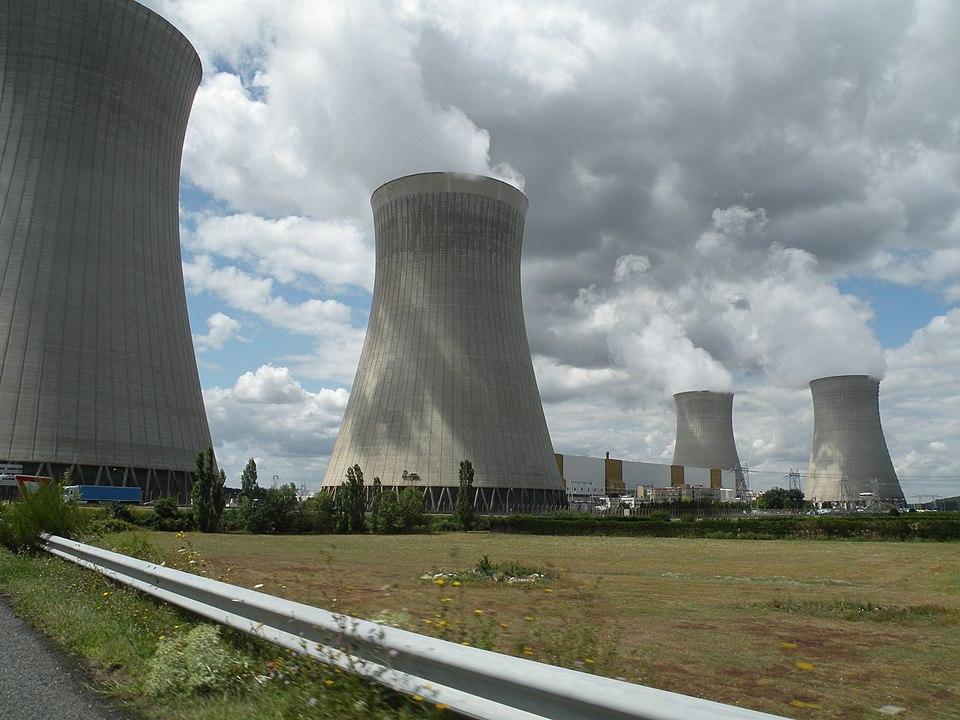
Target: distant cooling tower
point(445, 374)
point(705, 430)
point(849, 453)
point(98, 374)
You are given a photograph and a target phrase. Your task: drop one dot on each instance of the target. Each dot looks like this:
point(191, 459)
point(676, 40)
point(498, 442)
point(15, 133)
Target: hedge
point(911, 526)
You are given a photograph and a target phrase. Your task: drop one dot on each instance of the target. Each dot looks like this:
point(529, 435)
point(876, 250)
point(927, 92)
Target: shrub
point(400, 513)
point(320, 513)
point(168, 517)
point(45, 510)
point(411, 509)
point(120, 511)
point(276, 512)
point(858, 527)
point(196, 662)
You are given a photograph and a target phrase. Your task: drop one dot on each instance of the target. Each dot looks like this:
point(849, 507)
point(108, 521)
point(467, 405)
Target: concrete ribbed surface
point(97, 358)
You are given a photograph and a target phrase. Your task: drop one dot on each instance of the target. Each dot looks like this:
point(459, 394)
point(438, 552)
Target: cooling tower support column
point(98, 374)
point(446, 374)
point(849, 458)
point(705, 430)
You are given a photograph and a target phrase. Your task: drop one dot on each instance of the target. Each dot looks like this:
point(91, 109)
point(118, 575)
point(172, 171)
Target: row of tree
point(279, 510)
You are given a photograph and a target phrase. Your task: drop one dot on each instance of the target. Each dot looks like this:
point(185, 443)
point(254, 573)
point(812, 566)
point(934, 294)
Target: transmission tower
point(793, 479)
point(742, 488)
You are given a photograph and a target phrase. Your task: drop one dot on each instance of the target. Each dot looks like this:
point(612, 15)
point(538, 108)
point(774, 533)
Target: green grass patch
point(510, 572)
point(162, 663)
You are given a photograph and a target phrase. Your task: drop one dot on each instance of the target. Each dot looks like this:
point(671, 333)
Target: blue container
point(103, 493)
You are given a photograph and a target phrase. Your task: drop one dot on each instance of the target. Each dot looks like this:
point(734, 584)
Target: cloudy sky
point(726, 195)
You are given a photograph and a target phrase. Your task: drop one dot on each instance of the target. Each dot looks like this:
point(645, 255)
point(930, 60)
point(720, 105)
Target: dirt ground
point(801, 629)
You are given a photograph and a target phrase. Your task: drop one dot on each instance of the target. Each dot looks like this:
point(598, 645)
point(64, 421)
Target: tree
point(351, 502)
point(463, 513)
point(248, 481)
point(322, 512)
point(276, 511)
point(375, 505)
point(400, 513)
point(411, 509)
point(780, 499)
point(207, 496)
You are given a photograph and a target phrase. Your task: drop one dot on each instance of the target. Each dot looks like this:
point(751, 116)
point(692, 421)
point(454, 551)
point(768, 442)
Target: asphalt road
point(38, 682)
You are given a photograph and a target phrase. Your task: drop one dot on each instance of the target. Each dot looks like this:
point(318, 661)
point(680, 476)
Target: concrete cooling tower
point(849, 454)
point(98, 373)
point(445, 374)
point(705, 430)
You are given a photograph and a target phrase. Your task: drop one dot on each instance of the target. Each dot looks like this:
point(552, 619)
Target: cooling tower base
point(494, 501)
point(154, 482)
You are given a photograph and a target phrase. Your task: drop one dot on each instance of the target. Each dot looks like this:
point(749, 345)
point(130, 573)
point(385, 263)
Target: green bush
point(399, 513)
point(940, 527)
point(193, 663)
point(43, 511)
point(277, 511)
point(168, 517)
point(120, 511)
point(320, 512)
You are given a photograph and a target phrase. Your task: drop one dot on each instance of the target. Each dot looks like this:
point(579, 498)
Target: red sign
point(31, 483)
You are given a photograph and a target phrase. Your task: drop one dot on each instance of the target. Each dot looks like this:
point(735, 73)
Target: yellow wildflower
point(788, 646)
point(417, 698)
point(328, 683)
point(802, 665)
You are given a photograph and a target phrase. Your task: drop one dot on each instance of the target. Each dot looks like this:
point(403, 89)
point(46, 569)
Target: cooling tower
point(849, 454)
point(445, 373)
point(705, 430)
point(98, 373)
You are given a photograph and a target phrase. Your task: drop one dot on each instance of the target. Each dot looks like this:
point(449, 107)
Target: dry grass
point(803, 629)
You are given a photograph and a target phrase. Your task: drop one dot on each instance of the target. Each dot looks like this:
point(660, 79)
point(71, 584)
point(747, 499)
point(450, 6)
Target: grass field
point(802, 629)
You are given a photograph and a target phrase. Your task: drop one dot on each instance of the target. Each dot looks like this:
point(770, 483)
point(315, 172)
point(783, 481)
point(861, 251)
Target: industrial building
point(445, 373)
point(98, 373)
point(849, 460)
point(588, 478)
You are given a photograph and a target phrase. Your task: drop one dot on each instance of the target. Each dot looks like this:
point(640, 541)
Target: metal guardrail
point(473, 682)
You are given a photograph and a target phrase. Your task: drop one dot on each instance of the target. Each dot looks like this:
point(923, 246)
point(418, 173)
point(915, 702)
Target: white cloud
point(268, 414)
point(221, 329)
point(320, 104)
point(255, 295)
point(762, 311)
point(289, 248)
point(918, 401)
